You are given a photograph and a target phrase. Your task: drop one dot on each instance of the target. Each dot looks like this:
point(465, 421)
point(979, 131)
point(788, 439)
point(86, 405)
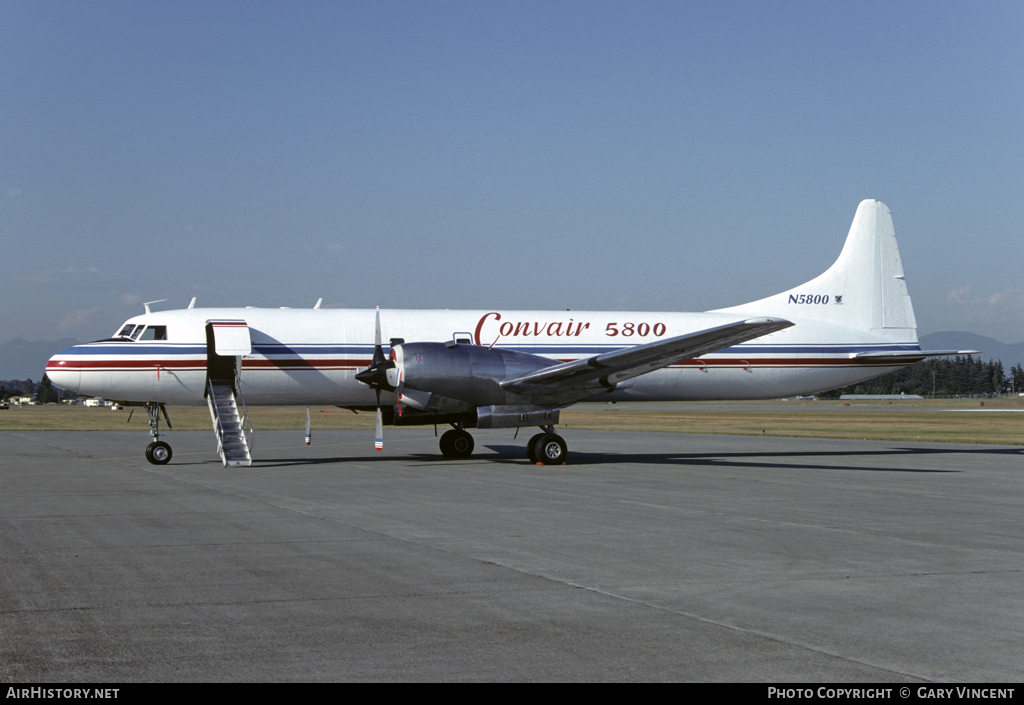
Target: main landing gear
point(157, 452)
point(456, 443)
point(546, 448)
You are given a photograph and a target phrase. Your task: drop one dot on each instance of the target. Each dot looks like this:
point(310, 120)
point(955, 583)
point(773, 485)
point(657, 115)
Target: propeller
point(376, 377)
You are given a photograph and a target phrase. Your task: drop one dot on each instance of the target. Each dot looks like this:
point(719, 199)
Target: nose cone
point(64, 370)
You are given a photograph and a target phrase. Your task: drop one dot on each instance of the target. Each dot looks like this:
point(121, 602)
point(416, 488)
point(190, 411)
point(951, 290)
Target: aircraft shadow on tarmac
point(515, 454)
point(748, 459)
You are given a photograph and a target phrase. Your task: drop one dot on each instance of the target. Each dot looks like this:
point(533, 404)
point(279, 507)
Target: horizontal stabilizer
point(573, 381)
point(906, 356)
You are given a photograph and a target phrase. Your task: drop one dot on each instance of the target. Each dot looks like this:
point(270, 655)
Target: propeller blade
point(378, 443)
point(307, 426)
point(376, 375)
point(376, 332)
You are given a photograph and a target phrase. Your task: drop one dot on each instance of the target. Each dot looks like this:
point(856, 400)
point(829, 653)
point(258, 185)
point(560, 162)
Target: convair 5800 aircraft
point(505, 369)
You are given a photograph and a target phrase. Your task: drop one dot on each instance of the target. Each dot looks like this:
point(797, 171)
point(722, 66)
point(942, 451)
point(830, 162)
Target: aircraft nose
point(63, 369)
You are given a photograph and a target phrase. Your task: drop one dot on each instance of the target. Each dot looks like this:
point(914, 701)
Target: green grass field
point(953, 421)
point(998, 421)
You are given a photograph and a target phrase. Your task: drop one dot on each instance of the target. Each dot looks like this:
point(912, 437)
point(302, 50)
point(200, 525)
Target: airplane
point(498, 368)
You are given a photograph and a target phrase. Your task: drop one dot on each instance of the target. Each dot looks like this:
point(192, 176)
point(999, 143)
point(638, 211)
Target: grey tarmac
point(649, 557)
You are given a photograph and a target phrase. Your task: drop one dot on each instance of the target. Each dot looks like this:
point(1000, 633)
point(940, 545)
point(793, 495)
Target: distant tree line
point(943, 376)
point(44, 391)
point(16, 388)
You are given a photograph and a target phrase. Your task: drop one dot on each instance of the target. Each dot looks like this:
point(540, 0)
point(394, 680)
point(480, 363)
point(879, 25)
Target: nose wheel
point(157, 452)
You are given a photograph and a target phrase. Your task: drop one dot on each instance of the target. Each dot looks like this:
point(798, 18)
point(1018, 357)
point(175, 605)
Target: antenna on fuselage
point(192, 304)
point(147, 304)
point(318, 302)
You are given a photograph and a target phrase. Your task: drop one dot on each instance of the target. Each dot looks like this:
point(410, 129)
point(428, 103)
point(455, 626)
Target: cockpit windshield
point(127, 331)
point(131, 331)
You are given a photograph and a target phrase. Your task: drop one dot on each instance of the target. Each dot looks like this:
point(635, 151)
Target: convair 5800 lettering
point(505, 369)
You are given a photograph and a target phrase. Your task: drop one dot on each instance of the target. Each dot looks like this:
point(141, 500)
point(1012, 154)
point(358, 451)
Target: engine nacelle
point(452, 378)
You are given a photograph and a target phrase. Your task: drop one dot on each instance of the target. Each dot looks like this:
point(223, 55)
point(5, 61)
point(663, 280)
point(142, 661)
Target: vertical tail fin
point(864, 289)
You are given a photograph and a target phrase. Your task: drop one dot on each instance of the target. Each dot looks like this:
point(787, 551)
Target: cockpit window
point(154, 333)
point(140, 332)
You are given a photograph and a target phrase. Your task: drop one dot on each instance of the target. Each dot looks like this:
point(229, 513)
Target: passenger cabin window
point(154, 333)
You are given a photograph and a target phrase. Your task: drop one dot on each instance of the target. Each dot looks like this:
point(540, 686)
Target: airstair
point(232, 443)
point(227, 342)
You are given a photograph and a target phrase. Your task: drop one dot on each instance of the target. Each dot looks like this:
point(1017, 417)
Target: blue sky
point(585, 155)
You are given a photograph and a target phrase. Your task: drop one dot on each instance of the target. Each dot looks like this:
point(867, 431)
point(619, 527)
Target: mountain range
point(988, 348)
point(20, 359)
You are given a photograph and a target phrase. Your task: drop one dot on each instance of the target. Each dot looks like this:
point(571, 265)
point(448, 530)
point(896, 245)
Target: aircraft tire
point(531, 448)
point(158, 453)
point(456, 444)
point(446, 444)
point(550, 449)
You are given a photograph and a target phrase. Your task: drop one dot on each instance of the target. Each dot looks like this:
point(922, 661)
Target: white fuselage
point(311, 356)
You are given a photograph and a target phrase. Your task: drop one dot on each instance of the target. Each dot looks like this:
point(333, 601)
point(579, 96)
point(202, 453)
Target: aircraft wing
point(574, 381)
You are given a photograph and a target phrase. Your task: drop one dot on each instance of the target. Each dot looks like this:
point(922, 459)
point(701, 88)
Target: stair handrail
point(218, 430)
point(249, 440)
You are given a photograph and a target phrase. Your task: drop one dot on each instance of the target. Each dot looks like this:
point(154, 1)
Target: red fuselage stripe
point(341, 363)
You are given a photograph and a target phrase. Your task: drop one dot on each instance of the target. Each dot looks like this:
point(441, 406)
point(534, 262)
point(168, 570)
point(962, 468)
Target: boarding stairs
point(232, 443)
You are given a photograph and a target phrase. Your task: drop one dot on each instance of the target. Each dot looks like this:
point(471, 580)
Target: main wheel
point(531, 447)
point(158, 453)
point(550, 449)
point(456, 444)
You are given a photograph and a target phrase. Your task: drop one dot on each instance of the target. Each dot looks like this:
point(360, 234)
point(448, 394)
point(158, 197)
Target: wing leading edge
point(574, 381)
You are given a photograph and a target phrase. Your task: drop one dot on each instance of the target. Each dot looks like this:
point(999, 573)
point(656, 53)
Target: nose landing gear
point(157, 452)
